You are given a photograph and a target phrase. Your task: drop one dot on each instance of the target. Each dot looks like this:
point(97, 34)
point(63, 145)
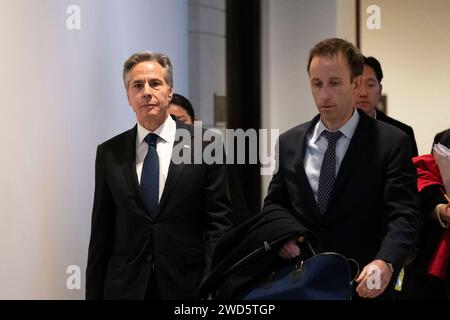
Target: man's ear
point(170, 93)
point(128, 98)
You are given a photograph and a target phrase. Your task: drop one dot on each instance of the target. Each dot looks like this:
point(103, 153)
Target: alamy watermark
point(227, 146)
point(73, 21)
point(374, 277)
point(73, 281)
point(374, 20)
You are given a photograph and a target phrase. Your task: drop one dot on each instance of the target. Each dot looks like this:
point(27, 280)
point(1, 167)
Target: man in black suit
point(155, 221)
point(368, 95)
point(346, 177)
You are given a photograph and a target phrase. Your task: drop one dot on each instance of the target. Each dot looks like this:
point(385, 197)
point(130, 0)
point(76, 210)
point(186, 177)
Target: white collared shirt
point(317, 145)
point(164, 146)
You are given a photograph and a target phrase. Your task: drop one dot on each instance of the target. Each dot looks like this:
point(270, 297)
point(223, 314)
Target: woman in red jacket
point(428, 276)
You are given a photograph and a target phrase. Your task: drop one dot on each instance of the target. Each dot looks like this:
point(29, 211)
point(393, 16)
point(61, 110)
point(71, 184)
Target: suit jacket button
point(149, 257)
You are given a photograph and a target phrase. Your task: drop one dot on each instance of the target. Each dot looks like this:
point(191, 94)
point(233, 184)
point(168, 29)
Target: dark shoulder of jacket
point(184, 126)
point(400, 125)
point(301, 129)
point(389, 131)
point(118, 139)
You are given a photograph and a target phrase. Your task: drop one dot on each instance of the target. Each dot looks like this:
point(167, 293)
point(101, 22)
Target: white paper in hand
point(442, 157)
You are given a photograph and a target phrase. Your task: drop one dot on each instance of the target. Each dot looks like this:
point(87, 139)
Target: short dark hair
point(183, 102)
point(443, 138)
point(376, 66)
point(331, 47)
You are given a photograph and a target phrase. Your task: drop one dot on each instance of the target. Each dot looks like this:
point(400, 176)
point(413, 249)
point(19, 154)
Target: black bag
point(324, 276)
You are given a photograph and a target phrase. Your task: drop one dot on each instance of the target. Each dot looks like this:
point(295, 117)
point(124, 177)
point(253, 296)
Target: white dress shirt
point(317, 145)
point(164, 146)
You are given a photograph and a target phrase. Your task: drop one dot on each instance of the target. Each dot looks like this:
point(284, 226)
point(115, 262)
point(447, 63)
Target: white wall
point(290, 28)
point(413, 46)
point(346, 20)
point(61, 95)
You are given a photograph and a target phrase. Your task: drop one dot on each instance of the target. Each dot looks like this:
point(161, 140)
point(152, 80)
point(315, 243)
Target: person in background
point(428, 276)
point(368, 95)
point(182, 109)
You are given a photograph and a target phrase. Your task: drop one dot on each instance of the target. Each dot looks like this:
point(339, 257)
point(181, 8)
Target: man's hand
point(444, 211)
point(373, 279)
point(290, 249)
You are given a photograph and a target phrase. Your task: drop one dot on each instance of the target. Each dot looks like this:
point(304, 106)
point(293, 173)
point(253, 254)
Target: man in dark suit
point(368, 95)
point(346, 177)
point(155, 221)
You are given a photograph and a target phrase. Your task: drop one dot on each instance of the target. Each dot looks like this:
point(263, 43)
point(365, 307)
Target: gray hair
point(143, 56)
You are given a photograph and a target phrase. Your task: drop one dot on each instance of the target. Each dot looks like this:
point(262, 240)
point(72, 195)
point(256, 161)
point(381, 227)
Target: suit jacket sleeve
point(102, 229)
point(277, 193)
point(401, 206)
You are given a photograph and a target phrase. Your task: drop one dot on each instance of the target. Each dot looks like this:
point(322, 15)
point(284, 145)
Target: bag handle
point(353, 264)
point(356, 264)
point(267, 246)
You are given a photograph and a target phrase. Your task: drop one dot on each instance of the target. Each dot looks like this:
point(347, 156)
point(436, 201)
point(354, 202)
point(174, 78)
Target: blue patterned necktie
point(327, 171)
point(150, 175)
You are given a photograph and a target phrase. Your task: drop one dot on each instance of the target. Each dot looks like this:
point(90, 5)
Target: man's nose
point(146, 91)
point(362, 91)
point(324, 94)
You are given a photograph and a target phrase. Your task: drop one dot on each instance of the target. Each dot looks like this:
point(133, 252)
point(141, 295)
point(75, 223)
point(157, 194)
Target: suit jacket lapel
point(175, 170)
point(129, 165)
point(128, 155)
point(305, 189)
point(353, 156)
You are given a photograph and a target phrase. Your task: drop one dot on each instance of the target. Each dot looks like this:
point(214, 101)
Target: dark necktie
point(150, 175)
point(328, 170)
